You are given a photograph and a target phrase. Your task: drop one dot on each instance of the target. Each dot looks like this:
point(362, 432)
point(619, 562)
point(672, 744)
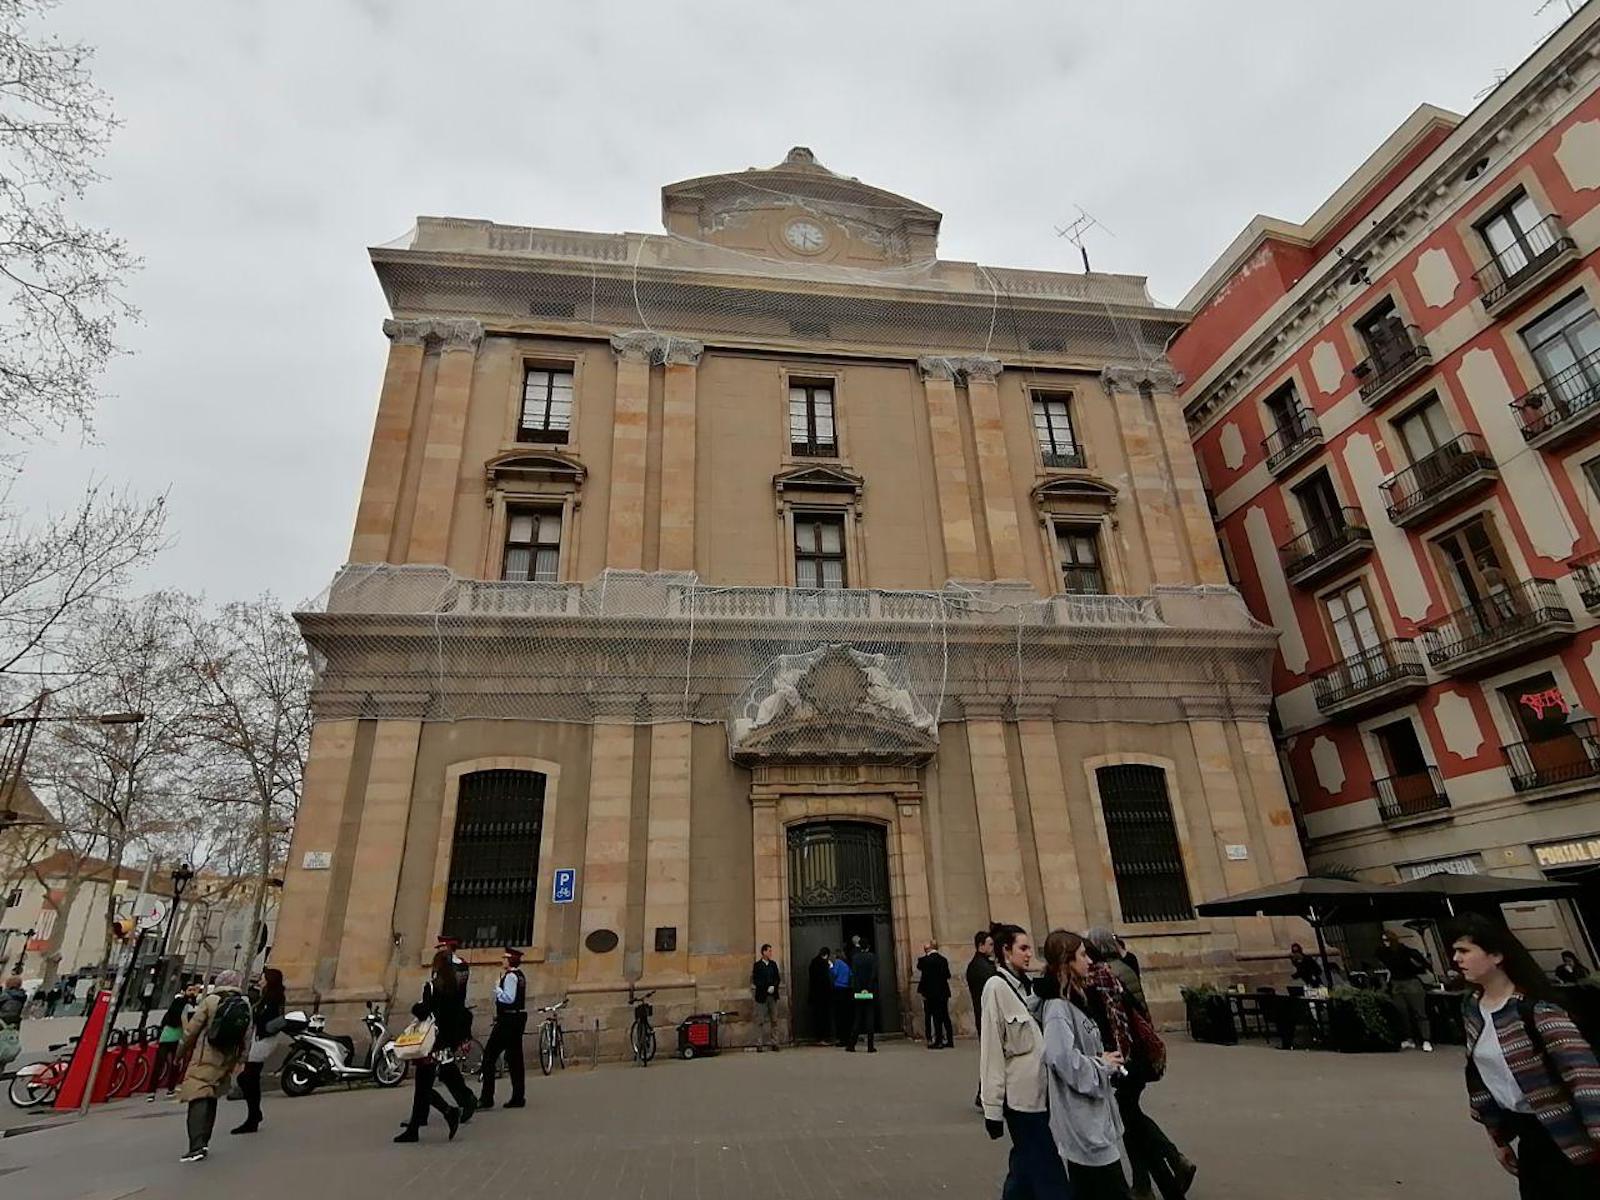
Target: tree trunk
point(259, 903)
point(115, 873)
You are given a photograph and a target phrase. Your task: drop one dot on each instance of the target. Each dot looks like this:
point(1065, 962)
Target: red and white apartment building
point(1396, 405)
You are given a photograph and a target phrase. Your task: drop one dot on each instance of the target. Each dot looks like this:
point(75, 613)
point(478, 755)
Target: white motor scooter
point(318, 1058)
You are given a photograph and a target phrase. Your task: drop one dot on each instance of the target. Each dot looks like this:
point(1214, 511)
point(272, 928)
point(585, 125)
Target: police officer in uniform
point(510, 1019)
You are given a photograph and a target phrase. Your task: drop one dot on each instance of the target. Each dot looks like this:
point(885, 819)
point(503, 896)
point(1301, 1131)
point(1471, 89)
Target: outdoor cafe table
point(1263, 1015)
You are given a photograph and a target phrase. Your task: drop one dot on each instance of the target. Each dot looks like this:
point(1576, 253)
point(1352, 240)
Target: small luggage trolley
point(699, 1034)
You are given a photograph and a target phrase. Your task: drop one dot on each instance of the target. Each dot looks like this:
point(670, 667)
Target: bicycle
point(38, 1084)
point(552, 1040)
point(641, 1038)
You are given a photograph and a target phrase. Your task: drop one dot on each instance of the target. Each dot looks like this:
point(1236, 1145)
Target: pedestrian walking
point(1570, 970)
point(1117, 997)
point(1128, 956)
point(843, 1001)
point(51, 999)
point(1084, 1118)
point(764, 980)
point(981, 969)
point(933, 985)
point(13, 1000)
point(167, 1042)
point(864, 991)
point(1406, 967)
point(463, 972)
point(1011, 1073)
point(1532, 1079)
point(267, 1028)
point(819, 995)
point(444, 1001)
point(510, 1022)
point(215, 1037)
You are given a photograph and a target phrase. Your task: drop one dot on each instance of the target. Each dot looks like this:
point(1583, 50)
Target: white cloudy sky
point(265, 146)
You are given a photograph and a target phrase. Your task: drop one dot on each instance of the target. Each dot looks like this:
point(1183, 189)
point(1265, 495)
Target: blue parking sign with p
point(566, 885)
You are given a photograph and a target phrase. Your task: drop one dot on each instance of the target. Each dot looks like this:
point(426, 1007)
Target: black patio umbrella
point(1471, 892)
point(1318, 901)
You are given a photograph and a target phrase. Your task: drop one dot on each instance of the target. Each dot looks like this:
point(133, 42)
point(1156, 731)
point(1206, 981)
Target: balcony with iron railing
point(1454, 472)
point(1412, 797)
point(1326, 548)
point(1512, 621)
point(1063, 457)
point(1535, 258)
point(814, 449)
point(1562, 407)
point(1388, 672)
point(1586, 575)
point(1569, 757)
point(1296, 436)
point(1400, 356)
point(1083, 581)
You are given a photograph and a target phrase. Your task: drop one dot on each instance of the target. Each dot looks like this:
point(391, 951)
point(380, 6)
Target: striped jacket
point(1569, 1108)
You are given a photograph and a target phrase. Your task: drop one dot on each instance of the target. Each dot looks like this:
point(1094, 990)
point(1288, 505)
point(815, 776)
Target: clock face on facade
point(805, 236)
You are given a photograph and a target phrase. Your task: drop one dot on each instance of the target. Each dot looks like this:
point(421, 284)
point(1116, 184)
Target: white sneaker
point(1428, 1046)
point(195, 1155)
point(1408, 1045)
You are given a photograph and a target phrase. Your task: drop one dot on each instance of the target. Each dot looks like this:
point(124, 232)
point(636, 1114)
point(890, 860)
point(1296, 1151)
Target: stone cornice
point(657, 348)
point(450, 333)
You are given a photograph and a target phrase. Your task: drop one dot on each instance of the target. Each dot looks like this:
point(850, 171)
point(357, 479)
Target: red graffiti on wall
point(1549, 699)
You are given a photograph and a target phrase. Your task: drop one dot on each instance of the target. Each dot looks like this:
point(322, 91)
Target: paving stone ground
point(806, 1124)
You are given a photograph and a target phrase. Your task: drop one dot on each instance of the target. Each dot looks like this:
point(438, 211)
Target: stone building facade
point(773, 580)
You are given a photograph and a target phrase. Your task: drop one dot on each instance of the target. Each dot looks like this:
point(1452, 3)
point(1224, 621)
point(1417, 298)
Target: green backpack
point(230, 1023)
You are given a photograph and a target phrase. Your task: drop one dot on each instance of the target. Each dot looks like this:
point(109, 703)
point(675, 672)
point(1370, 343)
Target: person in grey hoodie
point(1084, 1119)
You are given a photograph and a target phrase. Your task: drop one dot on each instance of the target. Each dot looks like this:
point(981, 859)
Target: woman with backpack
point(216, 1038)
point(1083, 1107)
point(1532, 1079)
point(266, 1020)
point(444, 1002)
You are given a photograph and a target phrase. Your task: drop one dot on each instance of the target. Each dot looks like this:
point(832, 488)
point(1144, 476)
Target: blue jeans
point(1036, 1171)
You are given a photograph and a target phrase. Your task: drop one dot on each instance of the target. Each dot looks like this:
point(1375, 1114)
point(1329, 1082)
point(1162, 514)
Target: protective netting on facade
point(865, 672)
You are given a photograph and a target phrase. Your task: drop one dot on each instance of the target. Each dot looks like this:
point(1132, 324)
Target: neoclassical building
point(771, 579)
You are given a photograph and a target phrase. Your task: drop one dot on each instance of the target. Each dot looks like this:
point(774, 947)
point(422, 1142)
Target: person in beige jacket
point(1011, 1073)
point(211, 1066)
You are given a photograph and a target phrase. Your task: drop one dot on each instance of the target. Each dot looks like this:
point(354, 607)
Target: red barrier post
point(76, 1083)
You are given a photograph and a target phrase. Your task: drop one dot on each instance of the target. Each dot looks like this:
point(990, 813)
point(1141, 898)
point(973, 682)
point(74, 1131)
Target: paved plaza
point(806, 1124)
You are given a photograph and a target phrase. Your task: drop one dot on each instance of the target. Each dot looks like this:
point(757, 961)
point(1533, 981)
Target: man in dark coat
point(819, 994)
point(980, 970)
point(933, 985)
point(864, 979)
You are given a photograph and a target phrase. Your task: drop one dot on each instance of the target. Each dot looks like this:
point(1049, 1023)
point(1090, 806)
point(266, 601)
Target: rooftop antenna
point(1076, 229)
point(1572, 6)
point(1499, 78)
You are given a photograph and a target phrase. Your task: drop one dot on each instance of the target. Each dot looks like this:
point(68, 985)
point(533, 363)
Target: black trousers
point(820, 1006)
point(1098, 1183)
point(202, 1120)
point(505, 1038)
point(1150, 1151)
point(449, 1074)
point(165, 1065)
point(844, 1014)
point(1035, 1171)
point(936, 1021)
point(250, 1086)
point(866, 1021)
point(1543, 1171)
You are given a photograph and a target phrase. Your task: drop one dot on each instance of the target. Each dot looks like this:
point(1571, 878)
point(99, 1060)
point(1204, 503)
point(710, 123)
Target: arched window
point(494, 859)
point(1145, 855)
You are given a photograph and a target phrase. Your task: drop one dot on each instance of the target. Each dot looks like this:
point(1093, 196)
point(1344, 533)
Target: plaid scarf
point(1107, 990)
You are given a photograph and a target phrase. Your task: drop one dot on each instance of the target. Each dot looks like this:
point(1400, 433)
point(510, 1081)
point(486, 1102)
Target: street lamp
point(15, 753)
point(182, 874)
point(237, 947)
point(22, 957)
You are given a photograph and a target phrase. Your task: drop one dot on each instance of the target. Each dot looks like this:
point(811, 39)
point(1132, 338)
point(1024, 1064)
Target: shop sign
point(1575, 853)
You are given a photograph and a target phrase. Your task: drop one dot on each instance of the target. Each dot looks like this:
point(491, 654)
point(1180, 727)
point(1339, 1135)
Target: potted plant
point(1210, 1019)
point(1362, 1021)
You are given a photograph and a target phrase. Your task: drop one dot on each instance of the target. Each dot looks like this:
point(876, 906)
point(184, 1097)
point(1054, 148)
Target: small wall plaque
point(317, 860)
point(1238, 853)
point(666, 939)
point(601, 941)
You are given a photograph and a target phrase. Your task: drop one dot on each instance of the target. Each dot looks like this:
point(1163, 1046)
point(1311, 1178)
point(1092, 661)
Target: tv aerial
point(1077, 229)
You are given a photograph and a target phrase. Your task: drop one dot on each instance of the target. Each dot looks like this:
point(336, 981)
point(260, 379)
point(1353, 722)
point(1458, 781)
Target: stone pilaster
point(1285, 858)
point(606, 848)
point(391, 433)
point(367, 942)
point(679, 411)
point(1226, 821)
point(666, 881)
point(1153, 500)
point(950, 470)
point(997, 821)
point(1186, 483)
point(1052, 826)
point(994, 467)
point(770, 851)
point(441, 456)
point(630, 431)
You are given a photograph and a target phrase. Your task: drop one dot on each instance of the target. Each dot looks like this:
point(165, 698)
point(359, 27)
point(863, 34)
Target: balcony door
point(1319, 504)
point(1355, 634)
point(1565, 344)
point(1541, 710)
point(1508, 233)
point(1288, 420)
point(1425, 431)
point(1474, 566)
point(1384, 331)
point(1402, 753)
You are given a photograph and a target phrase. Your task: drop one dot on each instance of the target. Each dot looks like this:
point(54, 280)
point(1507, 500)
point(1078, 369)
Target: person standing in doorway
point(843, 1004)
point(216, 1036)
point(1406, 967)
point(510, 1020)
point(819, 995)
point(864, 985)
point(933, 985)
point(764, 980)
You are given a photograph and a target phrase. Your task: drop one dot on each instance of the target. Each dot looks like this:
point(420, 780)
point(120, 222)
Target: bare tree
point(61, 280)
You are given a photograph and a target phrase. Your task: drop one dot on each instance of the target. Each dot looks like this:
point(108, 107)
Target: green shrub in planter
point(1362, 1021)
point(1210, 1018)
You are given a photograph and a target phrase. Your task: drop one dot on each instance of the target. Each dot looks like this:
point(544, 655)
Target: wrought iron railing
point(814, 449)
point(1414, 795)
point(1509, 612)
point(1083, 581)
point(1295, 433)
point(1322, 542)
point(1565, 395)
point(1561, 759)
point(1523, 259)
point(1390, 358)
point(1385, 663)
point(1063, 458)
point(1427, 478)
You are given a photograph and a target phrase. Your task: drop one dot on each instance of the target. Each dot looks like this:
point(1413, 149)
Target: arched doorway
point(839, 890)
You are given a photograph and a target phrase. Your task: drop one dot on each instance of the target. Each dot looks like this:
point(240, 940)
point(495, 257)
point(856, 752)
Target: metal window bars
point(1322, 541)
point(1392, 356)
point(1565, 758)
point(1145, 855)
point(1386, 663)
point(1563, 396)
point(1412, 795)
point(1297, 431)
point(1529, 253)
point(1428, 478)
point(1508, 612)
point(494, 858)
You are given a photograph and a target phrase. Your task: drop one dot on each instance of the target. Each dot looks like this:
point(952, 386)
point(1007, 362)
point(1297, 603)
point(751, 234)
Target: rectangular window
point(1355, 633)
point(1541, 708)
point(1078, 549)
point(1319, 503)
point(1385, 334)
point(1507, 233)
point(1475, 567)
point(811, 431)
point(1591, 472)
point(1425, 429)
point(1052, 427)
point(546, 406)
point(14, 899)
point(533, 545)
point(819, 557)
point(1288, 419)
point(494, 858)
point(1402, 751)
point(1146, 857)
point(1565, 344)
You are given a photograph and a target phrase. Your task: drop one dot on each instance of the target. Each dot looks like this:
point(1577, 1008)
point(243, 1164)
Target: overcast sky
point(265, 147)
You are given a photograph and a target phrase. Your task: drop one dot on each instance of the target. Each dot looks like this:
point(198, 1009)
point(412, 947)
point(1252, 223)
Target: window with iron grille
point(811, 430)
point(1145, 856)
point(1078, 549)
point(546, 406)
point(819, 555)
point(1052, 427)
point(15, 898)
point(494, 859)
point(533, 545)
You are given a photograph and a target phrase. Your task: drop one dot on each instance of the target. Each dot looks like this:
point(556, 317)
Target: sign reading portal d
point(566, 885)
point(1568, 854)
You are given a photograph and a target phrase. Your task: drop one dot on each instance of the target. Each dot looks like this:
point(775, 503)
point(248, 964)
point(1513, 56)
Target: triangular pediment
point(1076, 488)
point(820, 478)
point(535, 467)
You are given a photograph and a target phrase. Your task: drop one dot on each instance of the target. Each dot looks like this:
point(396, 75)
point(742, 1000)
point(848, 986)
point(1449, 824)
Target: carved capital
point(406, 333)
point(655, 348)
point(934, 367)
point(986, 369)
point(975, 367)
point(1130, 379)
point(450, 334)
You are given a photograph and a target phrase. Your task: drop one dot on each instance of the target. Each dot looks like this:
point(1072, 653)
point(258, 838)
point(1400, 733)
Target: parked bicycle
point(552, 1040)
point(642, 1038)
point(38, 1084)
